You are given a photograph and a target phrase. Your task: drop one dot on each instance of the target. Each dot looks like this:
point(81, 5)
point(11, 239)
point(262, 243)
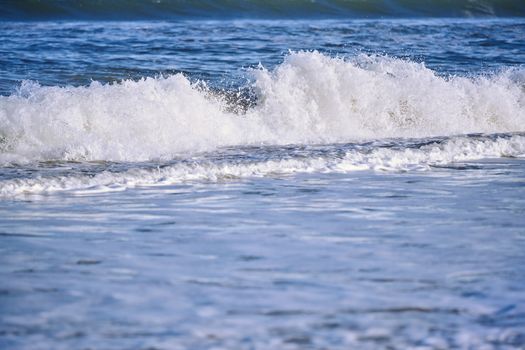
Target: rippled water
point(369, 195)
point(367, 260)
point(76, 52)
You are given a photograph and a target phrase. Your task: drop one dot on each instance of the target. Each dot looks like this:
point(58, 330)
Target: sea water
point(262, 183)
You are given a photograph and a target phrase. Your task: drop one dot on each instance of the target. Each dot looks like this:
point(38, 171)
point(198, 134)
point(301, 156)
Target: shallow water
point(334, 199)
point(365, 259)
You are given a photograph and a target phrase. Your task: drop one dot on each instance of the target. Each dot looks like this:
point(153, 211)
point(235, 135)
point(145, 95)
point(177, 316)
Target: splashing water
point(309, 99)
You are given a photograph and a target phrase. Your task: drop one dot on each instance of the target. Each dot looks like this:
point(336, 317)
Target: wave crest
point(309, 98)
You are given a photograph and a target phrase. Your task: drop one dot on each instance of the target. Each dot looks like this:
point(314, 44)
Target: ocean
point(262, 174)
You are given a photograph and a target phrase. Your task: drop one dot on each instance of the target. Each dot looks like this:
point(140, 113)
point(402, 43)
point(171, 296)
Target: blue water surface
point(422, 258)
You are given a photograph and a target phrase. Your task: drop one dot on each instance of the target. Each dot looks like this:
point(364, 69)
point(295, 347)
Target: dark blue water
point(262, 184)
point(219, 51)
point(269, 9)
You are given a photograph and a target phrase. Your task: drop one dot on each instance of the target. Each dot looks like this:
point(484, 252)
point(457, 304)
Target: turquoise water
point(262, 184)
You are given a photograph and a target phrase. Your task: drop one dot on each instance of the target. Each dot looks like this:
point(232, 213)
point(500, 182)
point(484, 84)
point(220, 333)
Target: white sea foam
point(309, 98)
point(376, 158)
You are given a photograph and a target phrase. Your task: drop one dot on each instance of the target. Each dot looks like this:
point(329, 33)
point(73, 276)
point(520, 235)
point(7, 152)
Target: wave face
point(309, 99)
point(166, 9)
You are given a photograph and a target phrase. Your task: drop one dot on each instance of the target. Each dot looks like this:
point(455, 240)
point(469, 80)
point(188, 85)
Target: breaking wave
point(180, 9)
point(309, 99)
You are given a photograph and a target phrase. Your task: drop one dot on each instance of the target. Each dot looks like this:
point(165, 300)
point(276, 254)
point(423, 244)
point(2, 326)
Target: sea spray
point(310, 98)
point(325, 99)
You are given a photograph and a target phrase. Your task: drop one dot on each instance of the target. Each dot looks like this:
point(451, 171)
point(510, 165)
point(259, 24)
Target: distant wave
point(177, 9)
point(309, 99)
